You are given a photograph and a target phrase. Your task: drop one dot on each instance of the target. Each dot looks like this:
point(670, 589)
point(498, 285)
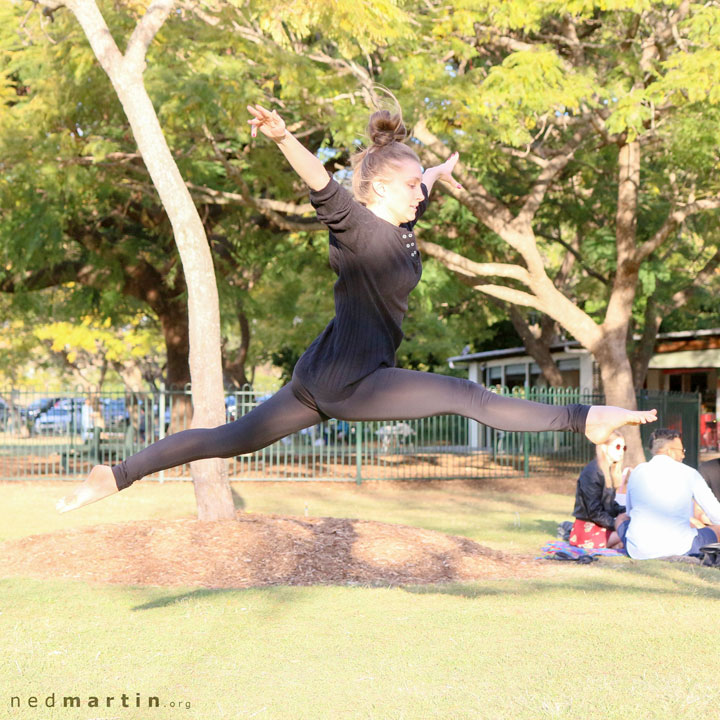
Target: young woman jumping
point(348, 372)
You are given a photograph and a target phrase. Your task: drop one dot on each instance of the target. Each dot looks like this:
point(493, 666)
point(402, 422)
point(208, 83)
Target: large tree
point(587, 138)
point(578, 103)
point(125, 71)
point(607, 112)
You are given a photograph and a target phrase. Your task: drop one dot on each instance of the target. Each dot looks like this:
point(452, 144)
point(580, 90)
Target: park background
point(588, 213)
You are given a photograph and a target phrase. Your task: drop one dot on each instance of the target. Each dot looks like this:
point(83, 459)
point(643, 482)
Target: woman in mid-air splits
point(348, 372)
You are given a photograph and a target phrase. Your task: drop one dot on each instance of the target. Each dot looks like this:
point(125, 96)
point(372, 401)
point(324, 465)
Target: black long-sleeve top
point(377, 264)
point(710, 470)
point(594, 501)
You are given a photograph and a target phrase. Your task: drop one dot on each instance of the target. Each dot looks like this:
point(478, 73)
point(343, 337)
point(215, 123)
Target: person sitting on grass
point(660, 498)
point(710, 470)
point(597, 512)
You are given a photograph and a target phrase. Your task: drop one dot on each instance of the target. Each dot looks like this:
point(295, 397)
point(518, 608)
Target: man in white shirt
point(660, 498)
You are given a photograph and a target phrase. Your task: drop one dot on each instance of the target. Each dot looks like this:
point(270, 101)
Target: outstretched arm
point(441, 172)
point(305, 164)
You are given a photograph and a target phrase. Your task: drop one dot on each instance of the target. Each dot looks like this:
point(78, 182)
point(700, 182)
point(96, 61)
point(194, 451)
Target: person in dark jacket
point(710, 470)
point(597, 511)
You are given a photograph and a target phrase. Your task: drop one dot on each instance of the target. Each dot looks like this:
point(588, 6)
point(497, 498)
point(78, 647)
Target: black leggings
point(386, 394)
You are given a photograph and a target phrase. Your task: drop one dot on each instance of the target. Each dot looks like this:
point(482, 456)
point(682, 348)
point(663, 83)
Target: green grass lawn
point(618, 639)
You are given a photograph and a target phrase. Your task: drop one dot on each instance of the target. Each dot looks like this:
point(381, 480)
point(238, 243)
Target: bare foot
point(99, 484)
point(603, 419)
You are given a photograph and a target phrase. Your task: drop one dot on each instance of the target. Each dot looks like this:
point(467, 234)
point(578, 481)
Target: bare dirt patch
point(259, 550)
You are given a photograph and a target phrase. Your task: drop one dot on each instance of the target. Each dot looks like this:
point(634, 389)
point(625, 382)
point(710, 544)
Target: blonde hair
point(612, 471)
point(387, 133)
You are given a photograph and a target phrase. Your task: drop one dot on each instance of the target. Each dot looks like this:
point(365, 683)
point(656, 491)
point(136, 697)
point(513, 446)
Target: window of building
point(515, 375)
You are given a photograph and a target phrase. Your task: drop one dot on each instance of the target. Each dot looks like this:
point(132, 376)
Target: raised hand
point(445, 170)
point(442, 172)
point(269, 123)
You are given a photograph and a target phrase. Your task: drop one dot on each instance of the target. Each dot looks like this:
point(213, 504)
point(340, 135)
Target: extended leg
point(277, 417)
point(395, 394)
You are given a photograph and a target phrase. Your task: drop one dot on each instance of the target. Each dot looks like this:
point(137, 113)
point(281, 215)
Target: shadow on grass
point(680, 580)
point(279, 593)
point(180, 598)
point(537, 526)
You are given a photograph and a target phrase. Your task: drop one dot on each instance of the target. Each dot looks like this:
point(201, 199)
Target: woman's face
point(615, 448)
point(400, 191)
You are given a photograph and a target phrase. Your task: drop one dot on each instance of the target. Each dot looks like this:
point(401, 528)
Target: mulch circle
point(259, 550)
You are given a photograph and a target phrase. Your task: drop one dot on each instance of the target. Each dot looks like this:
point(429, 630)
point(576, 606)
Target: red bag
point(588, 535)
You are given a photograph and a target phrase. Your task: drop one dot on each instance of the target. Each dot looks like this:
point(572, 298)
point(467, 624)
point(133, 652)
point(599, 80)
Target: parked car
point(246, 404)
point(154, 422)
point(230, 408)
point(13, 417)
point(114, 412)
point(61, 418)
point(36, 407)
point(4, 414)
point(54, 421)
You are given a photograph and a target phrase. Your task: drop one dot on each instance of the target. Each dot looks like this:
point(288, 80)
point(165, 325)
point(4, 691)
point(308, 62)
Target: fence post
point(161, 421)
point(358, 452)
point(526, 442)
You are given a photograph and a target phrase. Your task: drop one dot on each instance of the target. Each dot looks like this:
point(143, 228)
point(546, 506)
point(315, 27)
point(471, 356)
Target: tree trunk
point(538, 347)
point(607, 342)
point(617, 380)
point(612, 357)
point(646, 346)
point(174, 321)
point(235, 369)
point(212, 490)
point(176, 331)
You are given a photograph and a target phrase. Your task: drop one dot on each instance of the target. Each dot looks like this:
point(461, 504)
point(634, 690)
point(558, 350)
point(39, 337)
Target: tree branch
point(535, 197)
point(562, 276)
point(516, 297)
point(656, 312)
point(50, 6)
point(491, 212)
point(195, 9)
point(469, 268)
point(144, 33)
point(673, 221)
point(64, 272)
point(269, 208)
point(116, 158)
point(98, 34)
point(574, 251)
point(225, 197)
point(538, 346)
point(681, 297)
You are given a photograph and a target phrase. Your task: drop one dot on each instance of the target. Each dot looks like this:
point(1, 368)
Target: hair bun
point(385, 128)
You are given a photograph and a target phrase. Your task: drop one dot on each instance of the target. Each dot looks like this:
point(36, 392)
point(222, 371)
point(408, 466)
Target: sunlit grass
point(618, 639)
point(505, 521)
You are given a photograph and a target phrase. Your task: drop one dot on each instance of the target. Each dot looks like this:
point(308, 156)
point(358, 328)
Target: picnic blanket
point(563, 550)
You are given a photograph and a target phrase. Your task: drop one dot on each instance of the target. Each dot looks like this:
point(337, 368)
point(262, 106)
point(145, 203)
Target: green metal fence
point(63, 435)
